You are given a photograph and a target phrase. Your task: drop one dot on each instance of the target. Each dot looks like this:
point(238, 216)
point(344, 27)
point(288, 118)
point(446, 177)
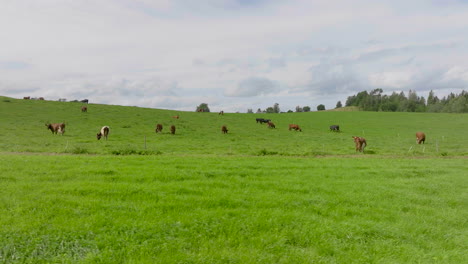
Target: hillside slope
point(22, 129)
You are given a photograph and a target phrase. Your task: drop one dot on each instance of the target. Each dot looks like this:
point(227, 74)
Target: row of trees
point(275, 109)
point(377, 101)
point(399, 102)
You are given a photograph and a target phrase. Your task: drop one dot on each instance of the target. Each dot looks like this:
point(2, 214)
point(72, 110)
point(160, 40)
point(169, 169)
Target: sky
point(233, 55)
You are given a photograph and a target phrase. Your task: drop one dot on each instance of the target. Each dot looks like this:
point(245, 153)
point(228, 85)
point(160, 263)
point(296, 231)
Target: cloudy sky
point(231, 54)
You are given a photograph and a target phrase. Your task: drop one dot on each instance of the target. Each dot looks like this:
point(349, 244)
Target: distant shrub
point(265, 152)
point(125, 152)
point(6, 100)
point(78, 150)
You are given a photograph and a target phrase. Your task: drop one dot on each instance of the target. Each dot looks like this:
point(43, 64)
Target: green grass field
point(254, 195)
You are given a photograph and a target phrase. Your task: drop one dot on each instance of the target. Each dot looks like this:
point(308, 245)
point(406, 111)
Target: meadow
point(254, 195)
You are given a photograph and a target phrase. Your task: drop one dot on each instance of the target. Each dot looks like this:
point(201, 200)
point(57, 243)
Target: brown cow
point(420, 137)
point(201, 110)
point(56, 128)
point(173, 129)
point(84, 109)
point(104, 133)
point(360, 143)
point(159, 128)
point(221, 113)
point(176, 117)
point(224, 129)
point(41, 98)
point(27, 97)
point(295, 127)
point(271, 124)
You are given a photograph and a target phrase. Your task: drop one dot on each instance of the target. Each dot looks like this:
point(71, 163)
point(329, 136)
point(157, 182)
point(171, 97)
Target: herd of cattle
point(360, 142)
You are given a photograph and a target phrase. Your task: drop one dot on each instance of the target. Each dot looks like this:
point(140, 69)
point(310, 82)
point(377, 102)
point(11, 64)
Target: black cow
point(84, 101)
point(335, 128)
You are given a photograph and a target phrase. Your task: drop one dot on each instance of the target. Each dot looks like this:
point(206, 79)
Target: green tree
point(203, 107)
point(338, 105)
point(320, 107)
point(306, 108)
point(276, 108)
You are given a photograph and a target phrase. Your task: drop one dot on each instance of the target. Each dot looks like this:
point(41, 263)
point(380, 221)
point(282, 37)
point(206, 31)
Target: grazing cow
point(360, 143)
point(176, 117)
point(335, 128)
point(103, 133)
point(420, 137)
point(41, 98)
point(221, 113)
point(271, 125)
point(56, 128)
point(172, 129)
point(201, 110)
point(262, 120)
point(84, 109)
point(84, 101)
point(224, 129)
point(259, 120)
point(27, 97)
point(295, 127)
point(159, 128)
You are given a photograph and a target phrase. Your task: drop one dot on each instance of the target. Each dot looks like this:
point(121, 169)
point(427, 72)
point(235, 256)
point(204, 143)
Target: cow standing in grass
point(172, 129)
point(84, 109)
point(224, 129)
point(56, 128)
point(360, 143)
point(295, 127)
point(271, 124)
point(420, 137)
point(103, 133)
point(159, 128)
point(335, 128)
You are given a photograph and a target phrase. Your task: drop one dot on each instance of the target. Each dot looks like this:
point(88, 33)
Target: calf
point(335, 128)
point(224, 129)
point(360, 143)
point(159, 128)
point(295, 127)
point(173, 129)
point(84, 109)
point(103, 133)
point(270, 124)
point(420, 137)
point(56, 128)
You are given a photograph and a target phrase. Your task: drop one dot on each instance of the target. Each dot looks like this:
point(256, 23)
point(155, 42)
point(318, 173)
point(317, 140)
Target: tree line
point(399, 102)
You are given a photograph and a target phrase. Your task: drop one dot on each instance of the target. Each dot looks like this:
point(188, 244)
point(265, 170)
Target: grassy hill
point(132, 131)
point(254, 195)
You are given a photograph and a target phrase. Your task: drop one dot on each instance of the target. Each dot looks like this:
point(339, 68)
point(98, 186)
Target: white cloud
point(178, 54)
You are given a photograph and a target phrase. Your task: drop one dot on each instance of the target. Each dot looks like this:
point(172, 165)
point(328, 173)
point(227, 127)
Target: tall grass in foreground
point(194, 209)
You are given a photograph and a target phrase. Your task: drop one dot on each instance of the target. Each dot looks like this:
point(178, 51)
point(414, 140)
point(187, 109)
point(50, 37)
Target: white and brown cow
point(103, 133)
point(360, 143)
point(56, 128)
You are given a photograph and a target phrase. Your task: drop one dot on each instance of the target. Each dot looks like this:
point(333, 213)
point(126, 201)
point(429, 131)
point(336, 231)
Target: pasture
point(253, 195)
